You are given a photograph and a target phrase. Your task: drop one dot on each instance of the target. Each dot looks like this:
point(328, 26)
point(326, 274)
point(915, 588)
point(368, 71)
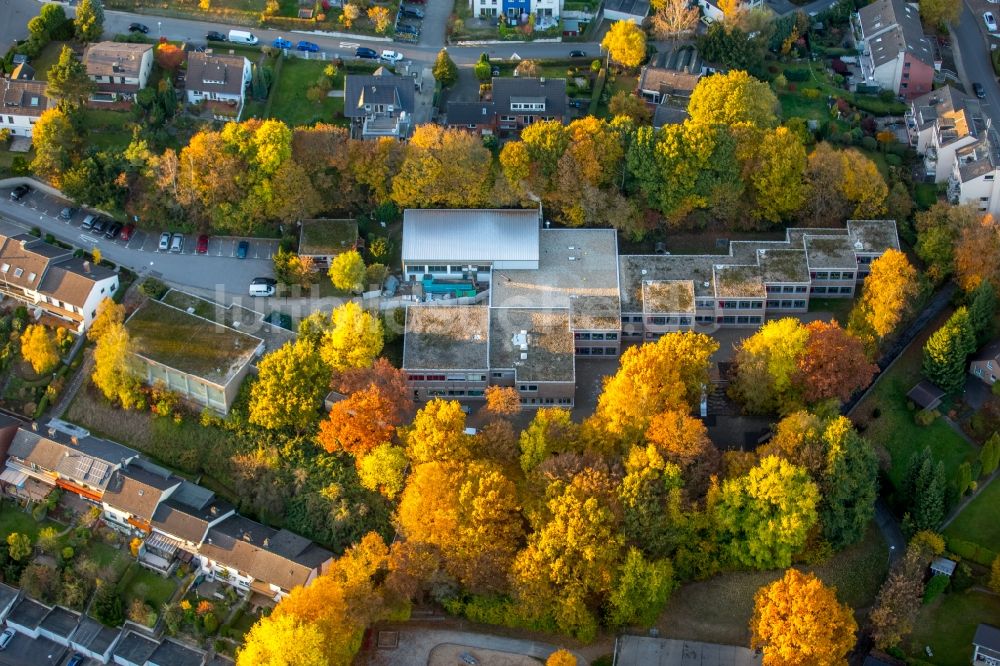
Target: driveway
point(435, 23)
point(218, 271)
point(416, 646)
point(972, 55)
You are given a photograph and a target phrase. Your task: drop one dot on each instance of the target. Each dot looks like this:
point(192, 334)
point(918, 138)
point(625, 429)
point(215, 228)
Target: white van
point(263, 286)
point(242, 37)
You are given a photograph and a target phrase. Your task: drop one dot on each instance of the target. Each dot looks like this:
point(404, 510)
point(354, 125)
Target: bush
point(936, 585)
point(925, 417)
point(962, 579)
point(869, 143)
point(153, 288)
point(968, 550)
point(798, 75)
point(893, 160)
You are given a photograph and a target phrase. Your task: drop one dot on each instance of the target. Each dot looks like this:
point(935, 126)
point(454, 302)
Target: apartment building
point(119, 69)
point(518, 11)
point(52, 282)
point(22, 102)
point(896, 55)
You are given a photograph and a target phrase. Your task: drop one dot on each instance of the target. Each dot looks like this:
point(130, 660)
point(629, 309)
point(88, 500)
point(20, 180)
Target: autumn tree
point(640, 591)
point(169, 56)
point(115, 373)
point(842, 184)
point(18, 546)
point(898, 600)
point(470, 512)
point(68, 81)
point(379, 16)
point(731, 99)
point(551, 431)
point(570, 558)
point(937, 14)
point(56, 144)
point(291, 383)
point(982, 309)
point(38, 347)
point(777, 176)
point(89, 22)
point(767, 367)
point(437, 433)
point(833, 364)
point(672, 19)
point(683, 440)
point(350, 13)
point(445, 71)
point(938, 231)
point(109, 314)
point(347, 271)
point(654, 377)
point(994, 582)
point(383, 469)
point(626, 43)
point(765, 516)
point(502, 401)
point(977, 254)
point(561, 658)
point(946, 350)
point(360, 423)
point(353, 339)
point(624, 103)
point(447, 168)
point(268, 642)
point(798, 621)
point(887, 295)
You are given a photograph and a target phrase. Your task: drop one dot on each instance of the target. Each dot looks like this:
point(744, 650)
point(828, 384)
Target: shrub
point(925, 417)
point(869, 143)
point(153, 288)
point(936, 585)
point(211, 623)
point(798, 75)
point(962, 579)
point(968, 550)
point(67, 553)
point(893, 160)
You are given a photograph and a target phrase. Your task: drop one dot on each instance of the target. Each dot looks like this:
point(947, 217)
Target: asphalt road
point(971, 39)
point(218, 271)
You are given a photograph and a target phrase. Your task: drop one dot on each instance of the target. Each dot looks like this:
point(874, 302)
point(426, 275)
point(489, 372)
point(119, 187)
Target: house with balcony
point(74, 461)
point(667, 83)
point(55, 285)
point(379, 105)
point(119, 69)
point(133, 495)
point(941, 123)
point(219, 81)
point(519, 101)
point(22, 102)
point(516, 12)
point(896, 55)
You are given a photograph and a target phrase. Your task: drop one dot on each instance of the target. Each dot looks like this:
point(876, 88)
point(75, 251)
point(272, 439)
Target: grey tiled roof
point(507, 89)
point(377, 89)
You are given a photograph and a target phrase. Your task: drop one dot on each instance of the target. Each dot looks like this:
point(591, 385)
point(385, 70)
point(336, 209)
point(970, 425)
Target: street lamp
point(892, 549)
point(159, 30)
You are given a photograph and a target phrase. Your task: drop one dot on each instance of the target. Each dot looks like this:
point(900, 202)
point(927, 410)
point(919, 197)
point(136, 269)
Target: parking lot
point(142, 241)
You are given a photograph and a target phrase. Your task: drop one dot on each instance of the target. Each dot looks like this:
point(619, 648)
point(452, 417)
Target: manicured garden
point(979, 522)
point(145, 585)
point(289, 96)
point(948, 624)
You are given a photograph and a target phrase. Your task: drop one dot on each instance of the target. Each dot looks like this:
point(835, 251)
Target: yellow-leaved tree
point(561, 658)
point(353, 340)
point(347, 271)
point(38, 347)
point(437, 433)
point(290, 386)
point(797, 621)
point(731, 99)
point(446, 168)
point(767, 366)
point(626, 43)
point(887, 295)
point(115, 373)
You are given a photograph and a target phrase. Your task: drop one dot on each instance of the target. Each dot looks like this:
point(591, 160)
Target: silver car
point(177, 243)
point(164, 241)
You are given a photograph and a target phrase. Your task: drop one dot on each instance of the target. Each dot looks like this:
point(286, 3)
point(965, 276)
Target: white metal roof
point(470, 235)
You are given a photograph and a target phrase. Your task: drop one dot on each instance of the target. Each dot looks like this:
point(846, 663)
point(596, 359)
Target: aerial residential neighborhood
point(575, 332)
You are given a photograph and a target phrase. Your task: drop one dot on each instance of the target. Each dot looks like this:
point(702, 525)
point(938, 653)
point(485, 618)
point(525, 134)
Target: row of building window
point(445, 269)
point(833, 290)
point(831, 275)
point(598, 336)
point(785, 305)
point(741, 305)
point(742, 319)
point(669, 321)
point(786, 289)
point(454, 393)
point(597, 351)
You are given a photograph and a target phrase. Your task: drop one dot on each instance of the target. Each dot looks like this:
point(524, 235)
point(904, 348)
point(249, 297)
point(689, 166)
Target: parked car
point(412, 12)
point(88, 222)
point(164, 241)
point(242, 249)
point(263, 286)
point(281, 43)
point(67, 213)
point(407, 29)
point(19, 192)
point(307, 46)
point(979, 90)
point(138, 27)
point(214, 36)
point(365, 52)
point(77, 660)
point(391, 56)
point(202, 247)
point(127, 232)
point(177, 243)
point(6, 637)
point(114, 230)
point(578, 103)
point(577, 53)
point(991, 23)
point(101, 225)
point(468, 659)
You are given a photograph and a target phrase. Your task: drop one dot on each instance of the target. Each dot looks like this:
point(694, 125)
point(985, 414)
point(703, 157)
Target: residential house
point(895, 53)
point(180, 523)
point(220, 81)
point(986, 644)
point(79, 463)
point(23, 72)
point(209, 373)
point(22, 102)
point(668, 82)
point(379, 105)
point(119, 69)
point(974, 179)
point(712, 11)
point(257, 558)
point(56, 286)
point(519, 101)
point(546, 12)
point(478, 117)
point(626, 10)
point(93, 640)
point(986, 363)
point(941, 123)
point(133, 495)
point(322, 240)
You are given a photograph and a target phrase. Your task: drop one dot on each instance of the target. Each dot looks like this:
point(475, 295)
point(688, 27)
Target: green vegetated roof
point(784, 265)
point(326, 237)
point(188, 343)
point(737, 281)
point(830, 252)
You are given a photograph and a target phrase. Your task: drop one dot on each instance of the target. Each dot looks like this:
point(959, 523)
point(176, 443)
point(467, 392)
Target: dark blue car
point(241, 250)
point(281, 43)
point(307, 46)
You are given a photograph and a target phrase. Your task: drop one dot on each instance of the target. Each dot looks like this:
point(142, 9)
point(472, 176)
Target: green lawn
point(894, 427)
point(948, 624)
point(718, 610)
point(47, 58)
point(925, 195)
point(13, 519)
point(978, 522)
point(107, 129)
point(290, 102)
point(840, 307)
point(107, 556)
point(141, 583)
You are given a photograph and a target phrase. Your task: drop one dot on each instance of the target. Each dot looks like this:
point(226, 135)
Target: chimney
point(52, 432)
point(74, 439)
point(86, 266)
point(34, 426)
point(267, 542)
point(214, 510)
